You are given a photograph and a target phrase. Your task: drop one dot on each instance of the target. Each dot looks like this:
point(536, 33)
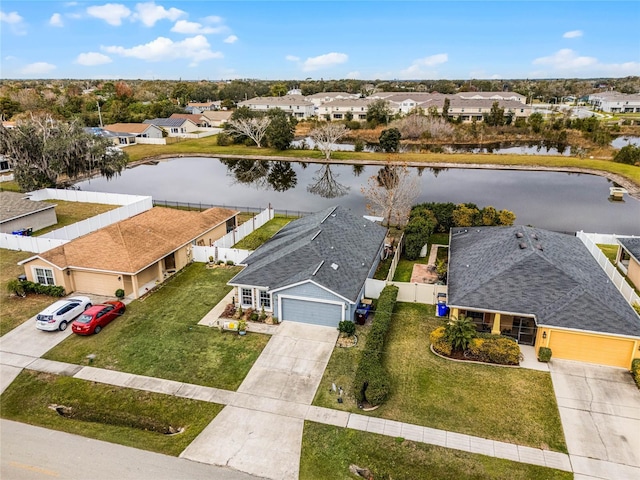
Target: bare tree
point(326, 184)
point(326, 136)
point(391, 193)
point(254, 128)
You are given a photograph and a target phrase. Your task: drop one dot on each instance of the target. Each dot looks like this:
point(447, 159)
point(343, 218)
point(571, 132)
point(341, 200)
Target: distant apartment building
point(294, 105)
point(616, 102)
point(341, 109)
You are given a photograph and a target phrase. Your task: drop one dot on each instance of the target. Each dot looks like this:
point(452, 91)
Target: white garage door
point(309, 311)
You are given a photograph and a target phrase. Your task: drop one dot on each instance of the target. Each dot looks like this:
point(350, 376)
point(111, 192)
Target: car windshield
point(84, 319)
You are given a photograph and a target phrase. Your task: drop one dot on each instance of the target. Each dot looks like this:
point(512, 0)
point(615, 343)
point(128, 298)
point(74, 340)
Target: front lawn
point(15, 310)
point(105, 412)
point(159, 335)
point(262, 234)
point(507, 404)
point(327, 452)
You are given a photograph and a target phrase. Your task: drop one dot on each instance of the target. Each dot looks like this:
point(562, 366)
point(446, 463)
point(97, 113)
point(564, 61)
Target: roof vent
point(522, 245)
point(534, 236)
point(519, 235)
point(334, 266)
point(539, 247)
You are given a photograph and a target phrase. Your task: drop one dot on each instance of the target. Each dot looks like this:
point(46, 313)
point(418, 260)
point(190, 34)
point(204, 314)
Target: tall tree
point(254, 128)
point(390, 140)
point(378, 112)
point(495, 117)
point(326, 136)
point(281, 130)
point(391, 193)
point(44, 151)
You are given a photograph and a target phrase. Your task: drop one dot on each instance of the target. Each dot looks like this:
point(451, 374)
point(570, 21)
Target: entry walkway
point(279, 415)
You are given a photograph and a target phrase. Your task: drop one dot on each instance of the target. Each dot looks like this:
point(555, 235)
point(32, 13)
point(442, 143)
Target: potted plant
point(119, 294)
point(242, 327)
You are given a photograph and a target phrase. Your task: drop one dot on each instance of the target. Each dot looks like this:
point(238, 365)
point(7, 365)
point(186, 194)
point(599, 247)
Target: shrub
point(224, 140)
point(254, 316)
point(120, 293)
point(16, 287)
point(502, 350)
point(371, 382)
point(439, 341)
point(629, 154)
point(359, 145)
point(635, 370)
point(51, 290)
point(544, 354)
point(347, 327)
point(230, 263)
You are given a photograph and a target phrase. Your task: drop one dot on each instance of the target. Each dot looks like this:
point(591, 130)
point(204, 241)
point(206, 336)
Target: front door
point(170, 262)
point(524, 330)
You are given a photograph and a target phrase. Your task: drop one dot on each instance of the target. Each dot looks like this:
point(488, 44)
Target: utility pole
point(99, 114)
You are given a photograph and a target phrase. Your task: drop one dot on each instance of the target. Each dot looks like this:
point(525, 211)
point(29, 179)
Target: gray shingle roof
point(631, 245)
point(14, 205)
point(333, 236)
point(561, 283)
point(166, 122)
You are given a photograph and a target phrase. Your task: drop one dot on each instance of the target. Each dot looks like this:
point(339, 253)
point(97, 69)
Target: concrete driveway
point(260, 432)
point(600, 412)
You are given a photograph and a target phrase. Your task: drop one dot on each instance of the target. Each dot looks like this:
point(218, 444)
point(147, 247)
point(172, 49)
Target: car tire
point(63, 326)
point(88, 306)
point(97, 329)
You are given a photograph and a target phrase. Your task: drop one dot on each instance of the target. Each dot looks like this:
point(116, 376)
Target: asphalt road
point(34, 453)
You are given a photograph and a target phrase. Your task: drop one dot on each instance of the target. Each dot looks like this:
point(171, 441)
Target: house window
point(246, 297)
point(44, 276)
point(174, 130)
point(265, 299)
point(337, 116)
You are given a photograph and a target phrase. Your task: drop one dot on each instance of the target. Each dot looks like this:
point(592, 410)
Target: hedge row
point(24, 288)
point(635, 370)
point(372, 382)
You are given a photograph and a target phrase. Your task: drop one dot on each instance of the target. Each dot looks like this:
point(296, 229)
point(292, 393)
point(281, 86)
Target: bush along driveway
point(158, 336)
point(511, 405)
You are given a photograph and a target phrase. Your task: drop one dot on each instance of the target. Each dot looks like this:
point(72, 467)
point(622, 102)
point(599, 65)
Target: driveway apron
point(600, 412)
point(261, 431)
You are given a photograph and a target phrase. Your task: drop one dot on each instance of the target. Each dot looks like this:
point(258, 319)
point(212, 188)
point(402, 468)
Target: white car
point(59, 314)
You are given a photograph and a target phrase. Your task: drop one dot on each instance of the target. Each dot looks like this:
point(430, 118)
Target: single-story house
point(199, 119)
point(19, 212)
point(125, 131)
point(119, 138)
point(134, 254)
point(628, 259)
point(541, 288)
point(174, 127)
point(217, 118)
point(205, 106)
point(314, 269)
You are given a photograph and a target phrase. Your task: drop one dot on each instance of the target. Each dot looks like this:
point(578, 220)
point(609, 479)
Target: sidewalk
point(301, 411)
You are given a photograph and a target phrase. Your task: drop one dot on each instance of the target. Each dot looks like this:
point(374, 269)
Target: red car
point(95, 318)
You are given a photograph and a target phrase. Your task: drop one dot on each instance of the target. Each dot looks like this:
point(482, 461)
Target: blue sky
point(214, 40)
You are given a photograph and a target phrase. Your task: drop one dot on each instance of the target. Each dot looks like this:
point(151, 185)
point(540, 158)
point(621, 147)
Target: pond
point(517, 148)
point(552, 200)
point(623, 141)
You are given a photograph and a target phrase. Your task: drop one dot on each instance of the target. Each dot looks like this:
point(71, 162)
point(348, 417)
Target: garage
point(311, 311)
point(599, 349)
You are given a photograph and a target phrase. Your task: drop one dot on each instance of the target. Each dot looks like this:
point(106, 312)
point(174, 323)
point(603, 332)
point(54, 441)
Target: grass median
point(507, 404)
point(114, 414)
point(328, 451)
point(160, 337)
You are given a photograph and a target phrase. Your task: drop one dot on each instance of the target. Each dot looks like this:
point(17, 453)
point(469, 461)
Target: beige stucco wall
point(633, 273)
point(35, 221)
point(59, 276)
point(212, 235)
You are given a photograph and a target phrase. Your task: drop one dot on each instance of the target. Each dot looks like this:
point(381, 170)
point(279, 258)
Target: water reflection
point(326, 184)
point(279, 176)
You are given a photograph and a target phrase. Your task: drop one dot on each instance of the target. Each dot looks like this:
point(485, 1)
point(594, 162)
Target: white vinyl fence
point(233, 237)
point(407, 291)
point(236, 255)
point(6, 178)
point(590, 240)
point(131, 205)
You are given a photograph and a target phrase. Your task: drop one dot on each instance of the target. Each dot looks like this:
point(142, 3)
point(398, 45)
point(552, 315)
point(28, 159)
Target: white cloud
point(56, 20)
point(15, 21)
point(149, 13)
point(292, 58)
point(195, 48)
point(353, 75)
point(231, 39)
point(38, 68)
point(324, 61)
point(93, 58)
point(192, 28)
point(572, 34)
point(423, 67)
point(566, 62)
point(9, 58)
point(112, 13)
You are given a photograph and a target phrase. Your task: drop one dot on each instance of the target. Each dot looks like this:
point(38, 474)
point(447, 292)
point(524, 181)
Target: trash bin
point(442, 310)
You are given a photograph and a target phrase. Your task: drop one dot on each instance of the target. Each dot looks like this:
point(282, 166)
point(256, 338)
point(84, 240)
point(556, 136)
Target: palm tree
point(460, 332)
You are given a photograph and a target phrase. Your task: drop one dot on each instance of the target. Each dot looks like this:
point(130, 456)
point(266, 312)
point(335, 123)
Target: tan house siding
point(211, 236)
point(589, 347)
point(633, 272)
point(59, 277)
